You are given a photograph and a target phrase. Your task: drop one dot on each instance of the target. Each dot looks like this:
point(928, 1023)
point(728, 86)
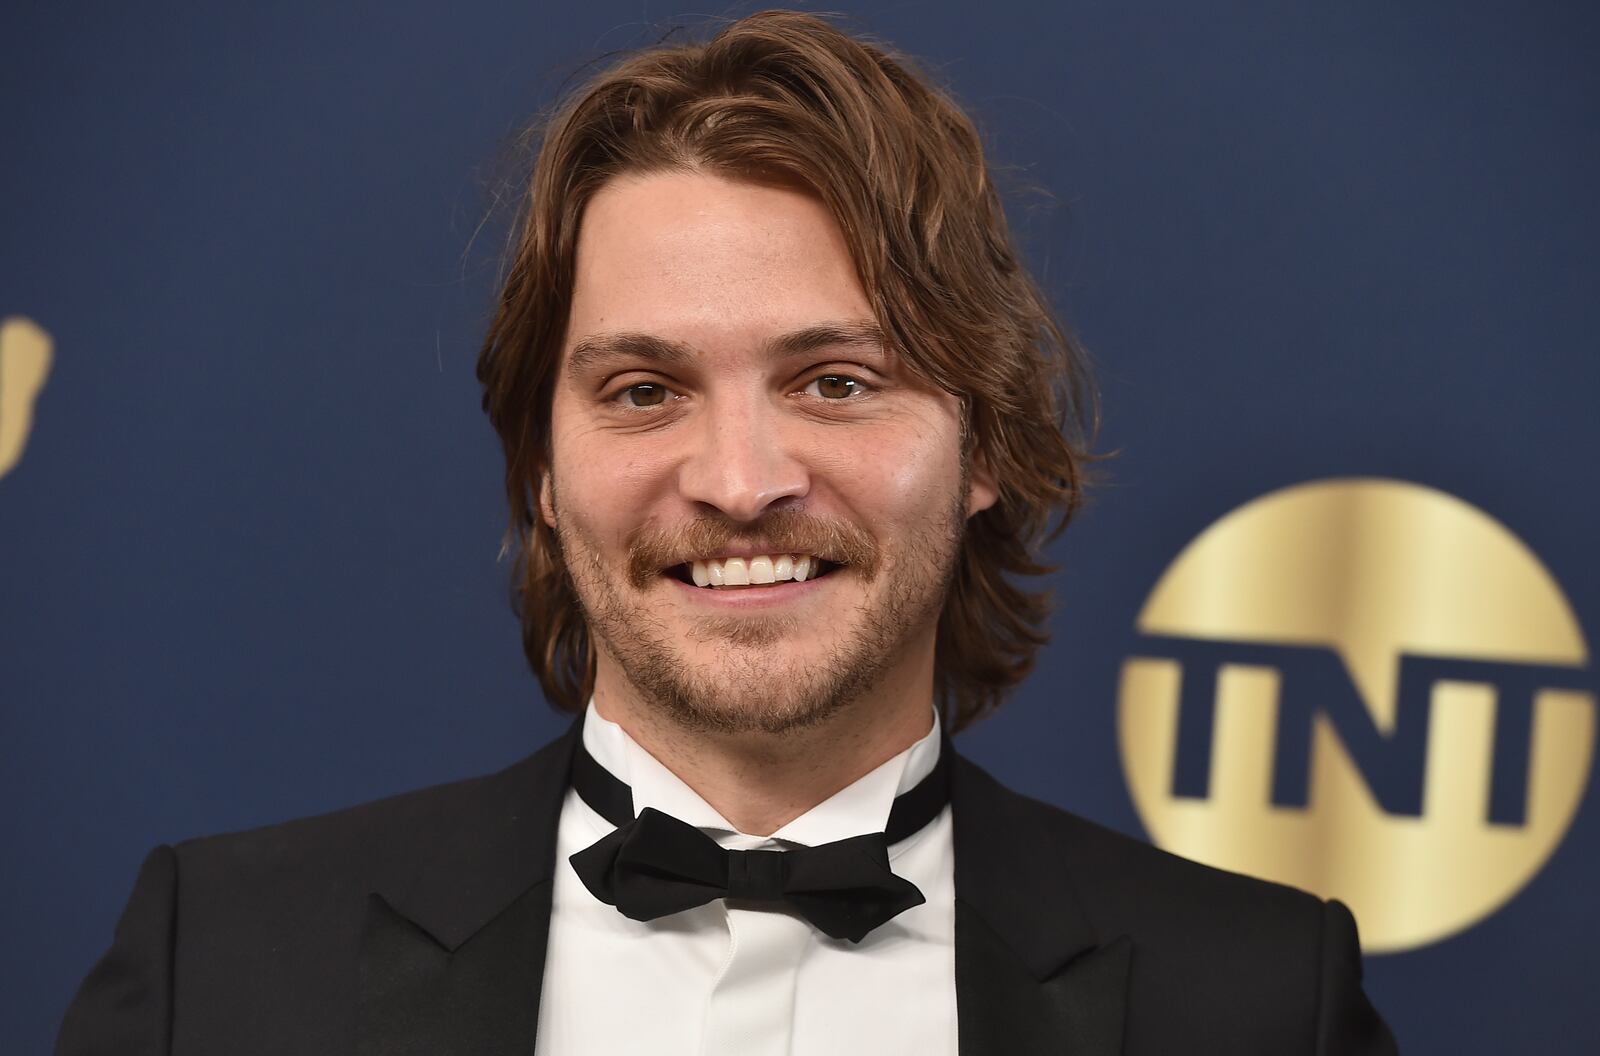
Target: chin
point(718, 634)
point(744, 692)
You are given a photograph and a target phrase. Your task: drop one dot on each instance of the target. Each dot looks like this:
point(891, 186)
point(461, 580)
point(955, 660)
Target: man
point(782, 418)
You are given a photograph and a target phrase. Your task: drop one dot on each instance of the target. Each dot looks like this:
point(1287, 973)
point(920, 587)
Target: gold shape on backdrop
point(25, 354)
point(1371, 570)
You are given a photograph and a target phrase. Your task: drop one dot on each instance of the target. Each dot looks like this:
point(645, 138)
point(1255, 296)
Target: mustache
point(787, 531)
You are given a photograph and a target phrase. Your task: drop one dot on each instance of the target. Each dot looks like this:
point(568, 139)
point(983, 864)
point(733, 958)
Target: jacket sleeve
point(1347, 1024)
point(124, 1006)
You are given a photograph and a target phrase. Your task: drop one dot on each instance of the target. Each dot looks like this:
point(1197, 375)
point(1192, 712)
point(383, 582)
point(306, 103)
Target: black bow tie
point(654, 864)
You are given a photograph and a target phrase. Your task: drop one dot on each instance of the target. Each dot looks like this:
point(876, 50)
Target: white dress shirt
point(715, 981)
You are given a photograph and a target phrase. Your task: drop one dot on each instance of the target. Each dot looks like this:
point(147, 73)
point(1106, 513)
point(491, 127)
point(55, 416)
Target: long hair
point(901, 168)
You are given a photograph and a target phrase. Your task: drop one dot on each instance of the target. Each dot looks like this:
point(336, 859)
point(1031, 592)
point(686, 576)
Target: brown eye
point(836, 387)
point(646, 395)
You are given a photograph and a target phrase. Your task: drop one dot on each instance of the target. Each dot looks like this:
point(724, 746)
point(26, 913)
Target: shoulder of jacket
point(1124, 877)
point(366, 837)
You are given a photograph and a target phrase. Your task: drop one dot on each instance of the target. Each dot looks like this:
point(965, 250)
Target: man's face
point(723, 398)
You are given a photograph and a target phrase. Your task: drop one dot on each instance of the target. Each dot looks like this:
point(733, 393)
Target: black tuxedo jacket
point(417, 925)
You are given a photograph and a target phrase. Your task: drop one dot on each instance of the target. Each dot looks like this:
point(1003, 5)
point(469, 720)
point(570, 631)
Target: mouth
point(740, 573)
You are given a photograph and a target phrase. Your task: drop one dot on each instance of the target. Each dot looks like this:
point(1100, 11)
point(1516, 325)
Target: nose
point(740, 462)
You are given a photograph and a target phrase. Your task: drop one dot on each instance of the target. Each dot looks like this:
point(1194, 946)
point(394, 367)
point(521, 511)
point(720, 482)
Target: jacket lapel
point(1032, 976)
point(452, 955)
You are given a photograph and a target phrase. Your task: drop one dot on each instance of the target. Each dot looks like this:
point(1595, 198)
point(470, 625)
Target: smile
point(734, 573)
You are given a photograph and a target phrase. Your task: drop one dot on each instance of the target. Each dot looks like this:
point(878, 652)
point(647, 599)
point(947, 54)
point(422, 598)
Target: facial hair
point(744, 691)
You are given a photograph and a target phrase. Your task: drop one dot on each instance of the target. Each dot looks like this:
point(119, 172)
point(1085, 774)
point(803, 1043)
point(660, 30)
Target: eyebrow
point(596, 349)
point(855, 334)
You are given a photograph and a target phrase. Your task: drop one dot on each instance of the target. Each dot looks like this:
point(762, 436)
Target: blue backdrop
point(248, 555)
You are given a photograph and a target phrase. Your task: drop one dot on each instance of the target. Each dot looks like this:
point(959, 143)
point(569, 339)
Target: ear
point(982, 489)
point(547, 507)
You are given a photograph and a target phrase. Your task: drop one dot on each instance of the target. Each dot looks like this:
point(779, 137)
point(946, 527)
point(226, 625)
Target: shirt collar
point(859, 808)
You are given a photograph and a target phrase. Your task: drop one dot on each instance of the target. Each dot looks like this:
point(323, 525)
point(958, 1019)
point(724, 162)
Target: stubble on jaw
point(746, 693)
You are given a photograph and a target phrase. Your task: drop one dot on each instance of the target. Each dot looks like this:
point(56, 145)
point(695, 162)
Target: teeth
point(754, 571)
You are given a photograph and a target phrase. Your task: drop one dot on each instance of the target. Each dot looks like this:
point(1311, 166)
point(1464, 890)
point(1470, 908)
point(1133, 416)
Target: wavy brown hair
point(785, 96)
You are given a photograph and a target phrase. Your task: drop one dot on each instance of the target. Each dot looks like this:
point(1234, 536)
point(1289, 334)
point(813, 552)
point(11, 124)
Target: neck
point(761, 781)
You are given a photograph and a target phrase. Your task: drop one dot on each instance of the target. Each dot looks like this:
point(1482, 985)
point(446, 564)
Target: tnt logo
point(1368, 689)
point(24, 364)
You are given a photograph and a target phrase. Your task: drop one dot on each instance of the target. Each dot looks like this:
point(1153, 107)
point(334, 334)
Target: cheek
point(593, 502)
point(604, 484)
point(904, 486)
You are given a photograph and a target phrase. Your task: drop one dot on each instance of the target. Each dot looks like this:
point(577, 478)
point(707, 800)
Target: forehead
point(709, 261)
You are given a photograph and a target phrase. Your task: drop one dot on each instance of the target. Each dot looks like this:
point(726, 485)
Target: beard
point(743, 690)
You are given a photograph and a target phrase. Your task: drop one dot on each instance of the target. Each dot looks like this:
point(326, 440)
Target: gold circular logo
point(1368, 689)
point(25, 352)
